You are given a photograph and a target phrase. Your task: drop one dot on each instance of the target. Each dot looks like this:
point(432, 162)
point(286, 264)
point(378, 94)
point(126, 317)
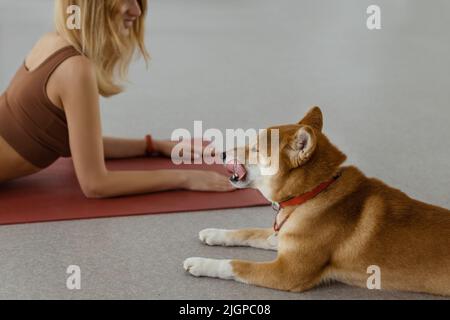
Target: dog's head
point(287, 160)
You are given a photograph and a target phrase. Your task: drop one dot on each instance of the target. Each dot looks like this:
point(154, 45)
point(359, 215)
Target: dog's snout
point(234, 178)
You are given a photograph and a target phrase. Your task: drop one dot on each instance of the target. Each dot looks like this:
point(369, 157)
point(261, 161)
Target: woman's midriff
point(12, 164)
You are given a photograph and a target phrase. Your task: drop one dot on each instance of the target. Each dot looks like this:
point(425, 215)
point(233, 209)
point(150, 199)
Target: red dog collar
point(298, 200)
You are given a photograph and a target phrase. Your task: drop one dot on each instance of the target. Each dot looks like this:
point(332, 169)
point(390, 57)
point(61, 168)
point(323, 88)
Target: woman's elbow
point(94, 194)
point(94, 190)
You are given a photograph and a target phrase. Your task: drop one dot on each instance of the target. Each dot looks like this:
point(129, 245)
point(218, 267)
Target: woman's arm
point(80, 98)
point(119, 148)
point(116, 148)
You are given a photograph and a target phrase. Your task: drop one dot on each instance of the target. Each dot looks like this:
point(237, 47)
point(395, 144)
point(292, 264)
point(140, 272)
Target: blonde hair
point(100, 39)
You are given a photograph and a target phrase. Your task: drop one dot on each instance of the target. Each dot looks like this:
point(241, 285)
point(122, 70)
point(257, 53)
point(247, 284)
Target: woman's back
point(12, 163)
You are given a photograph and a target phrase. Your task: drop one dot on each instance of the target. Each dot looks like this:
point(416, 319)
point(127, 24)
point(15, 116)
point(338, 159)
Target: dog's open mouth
point(236, 169)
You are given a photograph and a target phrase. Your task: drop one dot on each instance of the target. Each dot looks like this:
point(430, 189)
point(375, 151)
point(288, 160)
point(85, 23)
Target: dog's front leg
point(256, 238)
point(274, 275)
point(214, 268)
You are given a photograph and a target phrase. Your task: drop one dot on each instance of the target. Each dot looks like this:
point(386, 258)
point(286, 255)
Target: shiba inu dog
point(333, 223)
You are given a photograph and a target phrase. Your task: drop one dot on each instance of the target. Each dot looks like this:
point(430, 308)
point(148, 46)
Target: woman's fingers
point(223, 183)
point(208, 181)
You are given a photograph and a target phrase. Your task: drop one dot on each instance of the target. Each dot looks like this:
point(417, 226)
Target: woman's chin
point(126, 29)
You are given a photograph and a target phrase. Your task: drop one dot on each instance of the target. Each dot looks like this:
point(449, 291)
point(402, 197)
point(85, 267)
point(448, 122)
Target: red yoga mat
point(55, 195)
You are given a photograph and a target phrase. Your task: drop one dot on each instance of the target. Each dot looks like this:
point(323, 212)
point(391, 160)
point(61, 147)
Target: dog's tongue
point(236, 169)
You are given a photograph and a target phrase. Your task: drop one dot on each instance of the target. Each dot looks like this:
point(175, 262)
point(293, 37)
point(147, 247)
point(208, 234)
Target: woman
point(51, 107)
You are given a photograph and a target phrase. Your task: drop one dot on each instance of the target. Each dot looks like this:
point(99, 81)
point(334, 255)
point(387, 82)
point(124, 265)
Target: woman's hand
point(195, 180)
point(207, 181)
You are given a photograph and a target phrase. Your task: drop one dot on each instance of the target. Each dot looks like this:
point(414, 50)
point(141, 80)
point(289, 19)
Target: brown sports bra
point(29, 122)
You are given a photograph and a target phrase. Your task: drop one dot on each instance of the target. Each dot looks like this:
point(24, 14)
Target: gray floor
point(245, 64)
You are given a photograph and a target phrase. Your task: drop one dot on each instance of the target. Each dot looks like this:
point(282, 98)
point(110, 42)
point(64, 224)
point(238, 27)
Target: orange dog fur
point(355, 223)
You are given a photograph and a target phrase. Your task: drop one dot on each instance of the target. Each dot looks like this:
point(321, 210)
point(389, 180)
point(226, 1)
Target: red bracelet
point(149, 149)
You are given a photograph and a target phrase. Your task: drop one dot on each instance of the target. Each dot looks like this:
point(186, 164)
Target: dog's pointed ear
point(313, 118)
point(303, 143)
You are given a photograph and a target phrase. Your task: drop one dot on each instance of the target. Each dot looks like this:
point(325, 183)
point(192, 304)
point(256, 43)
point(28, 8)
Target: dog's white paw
point(203, 267)
point(193, 266)
point(214, 237)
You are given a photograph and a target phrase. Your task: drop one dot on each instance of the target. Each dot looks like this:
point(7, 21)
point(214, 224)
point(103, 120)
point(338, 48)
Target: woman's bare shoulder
point(44, 47)
point(75, 76)
point(51, 41)
point(78, 68)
